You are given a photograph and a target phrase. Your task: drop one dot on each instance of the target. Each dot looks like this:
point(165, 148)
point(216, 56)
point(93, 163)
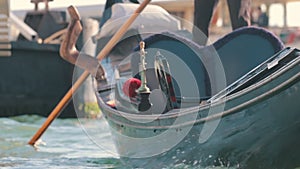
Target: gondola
point(233, 103)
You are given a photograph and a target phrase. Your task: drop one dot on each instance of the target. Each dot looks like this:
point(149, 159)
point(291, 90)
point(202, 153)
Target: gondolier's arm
point(69, 52)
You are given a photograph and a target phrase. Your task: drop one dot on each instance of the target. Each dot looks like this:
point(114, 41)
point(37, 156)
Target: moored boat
point(33, 75)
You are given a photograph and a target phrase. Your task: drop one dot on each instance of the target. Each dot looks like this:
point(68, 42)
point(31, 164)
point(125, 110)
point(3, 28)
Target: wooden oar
point(105, 51)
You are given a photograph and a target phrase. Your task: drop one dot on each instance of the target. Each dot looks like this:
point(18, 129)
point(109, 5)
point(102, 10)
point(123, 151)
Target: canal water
point(64, 145)
point(68, 143)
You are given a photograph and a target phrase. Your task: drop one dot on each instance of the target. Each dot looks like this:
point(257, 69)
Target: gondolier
point(203, 10)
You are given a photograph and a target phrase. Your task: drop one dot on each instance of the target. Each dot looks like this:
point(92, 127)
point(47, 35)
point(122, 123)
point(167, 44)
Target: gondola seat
point(238, 52)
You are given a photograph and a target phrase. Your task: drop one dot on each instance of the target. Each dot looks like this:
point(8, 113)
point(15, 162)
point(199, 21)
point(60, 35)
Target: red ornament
point(130, 87)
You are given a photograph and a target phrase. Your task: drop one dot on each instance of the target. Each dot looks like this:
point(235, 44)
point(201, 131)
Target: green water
point(66, 144)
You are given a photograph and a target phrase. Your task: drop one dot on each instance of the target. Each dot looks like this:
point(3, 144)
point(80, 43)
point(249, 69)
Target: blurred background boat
point(33, 77)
